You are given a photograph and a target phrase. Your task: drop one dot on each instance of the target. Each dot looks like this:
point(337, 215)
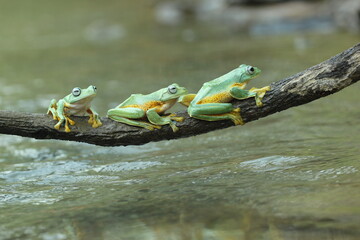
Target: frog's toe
point(236, 117)
point(267, 88)
point(96, 124)
point(174, 127)
point(238, 121)
point(259, 103)
point(57, 126)
point(178, 119)
point(91, 120)
point(152, 127)
point(67, 129)
point(54, 117)
point(72, 122)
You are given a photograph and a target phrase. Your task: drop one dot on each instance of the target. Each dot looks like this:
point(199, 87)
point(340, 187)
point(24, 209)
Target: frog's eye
point(172, 89)
point(76, 92)
point(250, 70)
point(94, 87)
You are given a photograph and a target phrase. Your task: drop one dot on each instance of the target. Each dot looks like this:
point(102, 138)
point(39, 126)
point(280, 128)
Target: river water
point(292, 175)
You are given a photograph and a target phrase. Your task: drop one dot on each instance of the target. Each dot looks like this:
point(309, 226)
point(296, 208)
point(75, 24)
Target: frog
point(77, 103)
point(138, 107)
point(213, 101)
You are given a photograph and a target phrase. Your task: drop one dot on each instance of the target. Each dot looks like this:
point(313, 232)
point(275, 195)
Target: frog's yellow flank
point(160, 106)
point(216, 98)
point(146, 106)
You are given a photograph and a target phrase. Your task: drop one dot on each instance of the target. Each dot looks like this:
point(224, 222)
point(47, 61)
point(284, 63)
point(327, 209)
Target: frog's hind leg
point(216, 112)
point(134, 123)
point(209, 108)
point(234, 116)
point(125, 115)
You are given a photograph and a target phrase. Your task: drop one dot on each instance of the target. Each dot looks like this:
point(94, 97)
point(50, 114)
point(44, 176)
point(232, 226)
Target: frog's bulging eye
point(76, 92)
point(250, 70)
point(94, 87)
point(172, 89)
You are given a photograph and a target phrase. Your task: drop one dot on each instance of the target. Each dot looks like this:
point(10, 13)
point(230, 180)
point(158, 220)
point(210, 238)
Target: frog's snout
point(184, 90)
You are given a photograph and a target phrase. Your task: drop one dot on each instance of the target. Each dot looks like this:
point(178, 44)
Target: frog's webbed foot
point(97, 123)
point(94, 120)
point(235, 116)
point(260, 93)
point(173, 116)
point(58, 125)
point(67, 121)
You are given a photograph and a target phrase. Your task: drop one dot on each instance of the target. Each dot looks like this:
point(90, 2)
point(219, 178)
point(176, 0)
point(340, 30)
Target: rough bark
point(318, 81)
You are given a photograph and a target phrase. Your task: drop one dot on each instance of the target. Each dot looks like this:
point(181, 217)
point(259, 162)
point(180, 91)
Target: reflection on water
point(293, 175)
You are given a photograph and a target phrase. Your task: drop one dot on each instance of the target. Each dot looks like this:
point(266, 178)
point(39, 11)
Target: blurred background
point(293, 175)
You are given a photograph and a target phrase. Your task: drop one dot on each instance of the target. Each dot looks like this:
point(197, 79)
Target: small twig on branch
point(318, 81)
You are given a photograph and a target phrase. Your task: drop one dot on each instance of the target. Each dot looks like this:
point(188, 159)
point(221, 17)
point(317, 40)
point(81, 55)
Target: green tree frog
point(212, 102)
point(77, 103)
point(151, 106)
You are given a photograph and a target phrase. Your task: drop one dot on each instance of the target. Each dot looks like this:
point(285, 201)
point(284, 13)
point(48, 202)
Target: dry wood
point(318, 81)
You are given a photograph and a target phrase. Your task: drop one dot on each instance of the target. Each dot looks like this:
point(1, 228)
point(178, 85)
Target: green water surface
point(292, 175)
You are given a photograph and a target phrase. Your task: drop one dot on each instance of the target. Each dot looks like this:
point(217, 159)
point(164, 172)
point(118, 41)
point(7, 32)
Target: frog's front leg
point(156, 119)
point(186, 99)
point(61, 117)
point(126, 115)
point(258, 93)
point(93, 118)
point(215, 112)
point(52, 109)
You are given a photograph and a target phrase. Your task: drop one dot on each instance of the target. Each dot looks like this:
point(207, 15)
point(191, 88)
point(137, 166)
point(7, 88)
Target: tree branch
point(318, 81)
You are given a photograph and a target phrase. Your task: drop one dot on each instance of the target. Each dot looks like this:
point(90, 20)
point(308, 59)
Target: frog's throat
point(168, 104)
point(241, 77)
